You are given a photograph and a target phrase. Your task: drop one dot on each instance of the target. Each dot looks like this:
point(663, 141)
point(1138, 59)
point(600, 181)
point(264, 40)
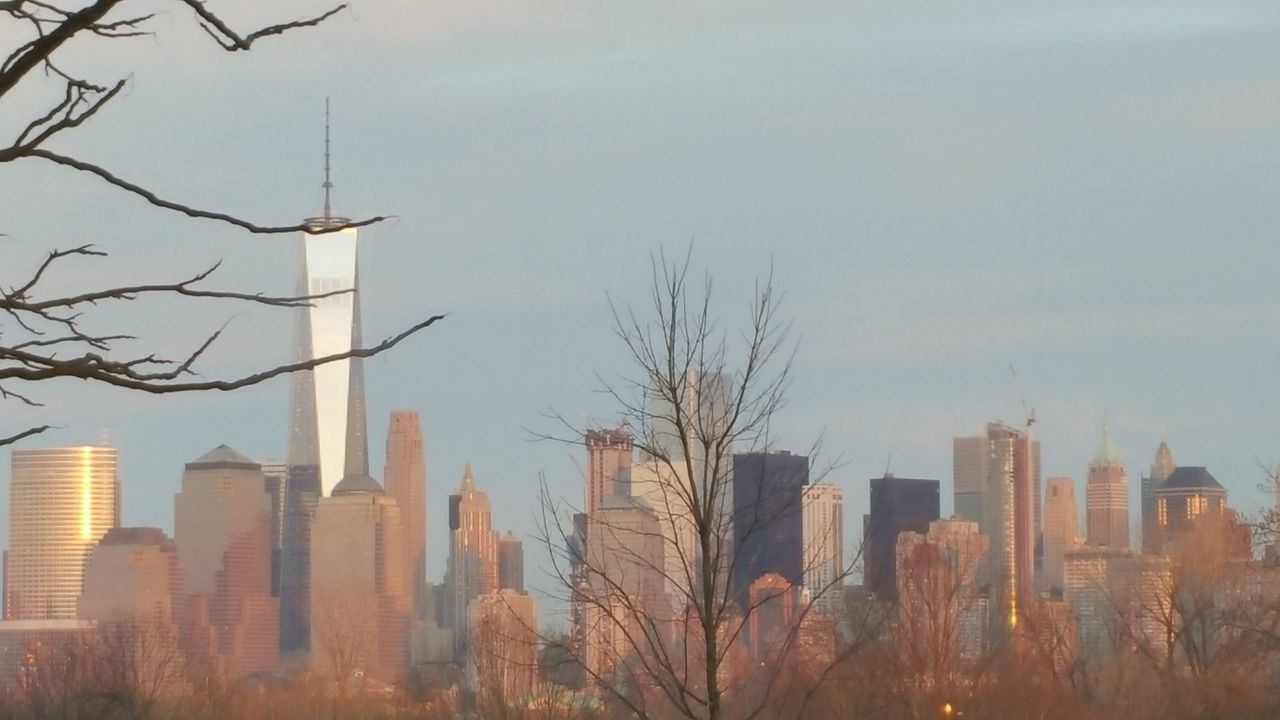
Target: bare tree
point(46, 336)
point(661, 632)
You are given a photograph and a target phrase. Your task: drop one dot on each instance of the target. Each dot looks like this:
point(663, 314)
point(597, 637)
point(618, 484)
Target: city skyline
point(886, 285)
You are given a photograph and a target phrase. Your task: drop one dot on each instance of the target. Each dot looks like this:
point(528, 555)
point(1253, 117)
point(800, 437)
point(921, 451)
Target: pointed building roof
point(468, 482)
point(1106, 453)
point(1190, 477)
point(223, 457)
point(1163, 465)
point(357, 483)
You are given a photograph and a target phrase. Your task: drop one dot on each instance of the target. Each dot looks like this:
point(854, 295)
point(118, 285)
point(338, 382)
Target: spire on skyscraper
point(468, 482)
point(328, 184)
point(1163, 465)
point(1106, 454)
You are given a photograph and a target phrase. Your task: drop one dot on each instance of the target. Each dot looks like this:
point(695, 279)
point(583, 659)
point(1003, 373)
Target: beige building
point(1106, 498)
point(1061, 528)
point(405, 475)
point(504, 652)
point(665, 489)
point(822, 532)
point(938, 594)
point(134, 575)
point(473, 554)
point(359, 604)
point(1010, 511)
point(61, 502)
point(623, 585)
point(222, 526)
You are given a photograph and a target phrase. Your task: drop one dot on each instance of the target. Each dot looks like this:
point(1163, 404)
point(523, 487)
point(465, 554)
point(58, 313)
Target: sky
point(1087, 191)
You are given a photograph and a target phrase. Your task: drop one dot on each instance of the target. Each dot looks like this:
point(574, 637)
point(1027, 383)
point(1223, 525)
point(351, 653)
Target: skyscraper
point(222, 527)
point(897, 505)
point(510, 563)
point(609, 458)
point(1161, 468)
point(327, 428)
point(1189, 493)
point(359, 599)
point(1061, 528)
point(473, 554)
point(61, 502)
point(970, 456)
point(275, 474)
point(1010, 514)
point(504, 629)
point(1106, 498)
point(134, 575)
point(768, 491)
point(822, 518)
point(405, 474)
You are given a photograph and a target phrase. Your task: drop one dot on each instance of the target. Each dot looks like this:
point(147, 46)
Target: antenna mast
point(328, 185)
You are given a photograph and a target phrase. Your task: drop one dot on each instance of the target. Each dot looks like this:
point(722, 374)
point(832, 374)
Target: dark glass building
point(768, 490)
point(897, 505)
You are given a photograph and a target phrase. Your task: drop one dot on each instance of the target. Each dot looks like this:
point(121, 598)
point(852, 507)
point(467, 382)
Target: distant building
point(972, 473)
point(1161, 468)
point(1116, 593)
point(1189, 493)
point(1107, 498)
point(1061, 528)
point(405, 474)
point(35, 650)
point(222, 527)
point(510, 563)
point(275, 475)
point(970, 458)
point(504, 632)
point(768, 491)
point(61, 502)
point(360, 605)
point(134, 574)
point(664, 488)
point(775, 609)
point(1010, 501)
point(623, 588)
point(823, 548)
point(473, 554)
point(937, 593)
point(609, 459)
point(897, 505)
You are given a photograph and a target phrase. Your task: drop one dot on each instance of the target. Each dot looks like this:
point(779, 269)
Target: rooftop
point(1188, 477)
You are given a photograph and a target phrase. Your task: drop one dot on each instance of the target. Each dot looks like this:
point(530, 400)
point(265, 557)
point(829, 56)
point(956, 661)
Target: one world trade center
point(327, 427)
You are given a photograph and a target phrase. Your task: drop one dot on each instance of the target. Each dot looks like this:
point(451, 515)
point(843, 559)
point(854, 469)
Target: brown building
point(405, 475)
point(359, 604)
point(61, 502)
point(222, 527)
point(510, 563)
point(774, 610)
point(1107, 498)
point(1187, 495)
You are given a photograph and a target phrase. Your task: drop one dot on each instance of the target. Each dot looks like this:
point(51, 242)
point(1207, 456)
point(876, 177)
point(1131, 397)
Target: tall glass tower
point(327, 428)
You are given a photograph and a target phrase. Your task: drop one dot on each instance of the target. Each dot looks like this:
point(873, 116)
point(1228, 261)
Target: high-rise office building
point(1061, 528)
point(510, 562)
point(1161, 467)
point(134, 575)
point(473, 554)
point(768, 493)
point(222, 527)
point(609, 459)
point(327, 426)
point(61, 502)
point(822, 521)
point(1106, 498)
point(359, 599)
point(897, 505)
point(665, 489)
point(938, 594)
point(775, 609)
point(275, 473)
point(1188, 494)
point(405, 474)
point(1010, 514)
point(970, 456)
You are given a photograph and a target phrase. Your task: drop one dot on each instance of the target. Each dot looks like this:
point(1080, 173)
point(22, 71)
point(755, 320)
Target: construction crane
point(1028, 413)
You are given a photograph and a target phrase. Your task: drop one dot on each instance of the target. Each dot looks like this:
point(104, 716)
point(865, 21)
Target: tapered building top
point(1163, 465)
point(1106, 453)
point(468, 481)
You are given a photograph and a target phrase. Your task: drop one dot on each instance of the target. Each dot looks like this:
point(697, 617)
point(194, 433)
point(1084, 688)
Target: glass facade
point(61, 502)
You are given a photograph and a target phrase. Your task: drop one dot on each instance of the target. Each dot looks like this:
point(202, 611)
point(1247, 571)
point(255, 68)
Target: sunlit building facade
point(822, 519)
point(405, 475)
point(1161, 468)
point(134, 575)
point(609, 458)
point(473, 554)
point(61, 502)
point(1010, 504)
point(504, 631)
point(1061, 528)
point(1107, 498)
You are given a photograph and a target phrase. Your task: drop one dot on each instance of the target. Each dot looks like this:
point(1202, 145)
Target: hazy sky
point(1087, 190)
